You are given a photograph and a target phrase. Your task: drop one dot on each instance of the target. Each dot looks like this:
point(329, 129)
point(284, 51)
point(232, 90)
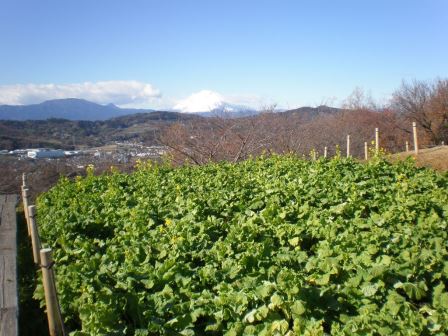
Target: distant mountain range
point(70, 109)
point(80, 109)
point(68, 123)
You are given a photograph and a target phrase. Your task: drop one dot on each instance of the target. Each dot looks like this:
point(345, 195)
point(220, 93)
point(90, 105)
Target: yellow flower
point(90, 169)
point(176, 240)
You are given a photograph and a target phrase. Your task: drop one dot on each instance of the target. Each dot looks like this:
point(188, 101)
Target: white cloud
point(207, 100)
point(122, 93)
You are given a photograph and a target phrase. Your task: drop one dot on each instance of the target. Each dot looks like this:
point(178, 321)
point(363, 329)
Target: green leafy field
point(270, 246)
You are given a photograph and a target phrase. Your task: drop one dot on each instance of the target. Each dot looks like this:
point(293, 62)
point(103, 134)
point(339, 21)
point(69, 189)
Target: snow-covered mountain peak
point(207, 101)
point(202, 101)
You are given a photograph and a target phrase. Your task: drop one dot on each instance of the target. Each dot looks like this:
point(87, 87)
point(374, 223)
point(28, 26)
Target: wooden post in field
point(366, 151)
point(377, 141)
point(414, 131)
point(325, 152)
point(348, 145)
point(25, 197)
point(314, 154)
point(35, 240)
point(23, 183)
point(55, 324)
point(407, 146)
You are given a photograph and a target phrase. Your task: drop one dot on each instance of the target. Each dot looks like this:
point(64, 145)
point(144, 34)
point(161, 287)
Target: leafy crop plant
point(268, 246)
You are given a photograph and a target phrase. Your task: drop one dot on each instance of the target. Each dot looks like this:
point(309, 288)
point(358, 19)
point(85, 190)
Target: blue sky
point(159, 53)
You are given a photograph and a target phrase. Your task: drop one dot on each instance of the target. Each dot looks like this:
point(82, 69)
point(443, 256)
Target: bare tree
point(216, 139)
point(426, 103)
point(359, 100)
point(439, 108)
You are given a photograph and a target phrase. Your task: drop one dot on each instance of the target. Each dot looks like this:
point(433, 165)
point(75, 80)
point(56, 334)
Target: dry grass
point(436, 158)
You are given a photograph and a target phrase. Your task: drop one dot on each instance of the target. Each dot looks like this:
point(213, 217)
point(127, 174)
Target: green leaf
point(440, 297)
point(276, 300)
point(294, 241)
point(281, 327)
point(323, 280)
point(297, 309)
point(413, 291)
point(369, 289)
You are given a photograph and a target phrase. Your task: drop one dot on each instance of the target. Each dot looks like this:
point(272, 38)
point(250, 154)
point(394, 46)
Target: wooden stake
point(377, 141)
point(414, 130)
point(325, 152)
point(348, 145)
point(25, 197)
point(366, 151)
point(314, 154)
point(35, 240)
point(55, 325)
point(407, 146)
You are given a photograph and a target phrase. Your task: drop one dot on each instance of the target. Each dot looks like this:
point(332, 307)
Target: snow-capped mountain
point(209, 103)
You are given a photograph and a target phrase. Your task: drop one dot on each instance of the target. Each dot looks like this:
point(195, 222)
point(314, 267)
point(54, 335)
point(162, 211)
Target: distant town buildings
point(120, 152)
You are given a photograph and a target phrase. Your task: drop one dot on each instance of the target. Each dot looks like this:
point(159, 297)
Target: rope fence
point(44, 260)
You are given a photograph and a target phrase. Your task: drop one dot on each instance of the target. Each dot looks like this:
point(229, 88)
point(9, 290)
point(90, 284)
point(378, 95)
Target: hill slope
point(307, 113)
point(436, 158)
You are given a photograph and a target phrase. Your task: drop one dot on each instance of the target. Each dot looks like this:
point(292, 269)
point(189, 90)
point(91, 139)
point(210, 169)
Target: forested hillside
point(68, 134)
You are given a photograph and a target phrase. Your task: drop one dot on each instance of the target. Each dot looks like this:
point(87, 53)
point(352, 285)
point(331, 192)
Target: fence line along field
point(267, 246)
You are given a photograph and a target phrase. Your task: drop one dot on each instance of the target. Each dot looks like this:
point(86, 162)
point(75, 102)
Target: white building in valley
point(45, 153)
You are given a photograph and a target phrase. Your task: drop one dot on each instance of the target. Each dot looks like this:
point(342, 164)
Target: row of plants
point(268, 246)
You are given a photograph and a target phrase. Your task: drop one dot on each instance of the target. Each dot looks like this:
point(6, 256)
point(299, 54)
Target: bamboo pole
point(377, 141)
point(325, 152)
point(414, 131)
point(348, 145)
point(35, 240)
point(25, 197)
point(55, 324)
point(366, 151)
point(407, 146)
